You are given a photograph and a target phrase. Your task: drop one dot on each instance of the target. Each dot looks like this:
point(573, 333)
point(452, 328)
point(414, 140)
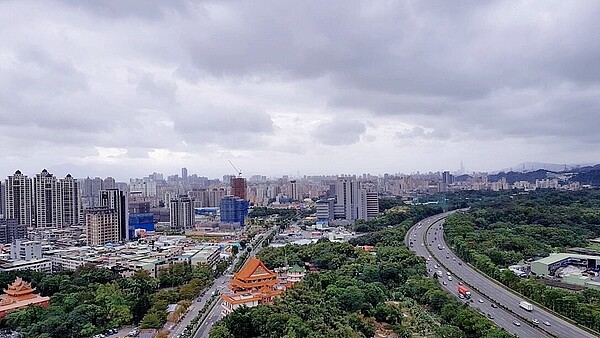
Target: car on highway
point(444, 283)
point(447, 257)
point(461, 296)
point(516, 323)
point(547, 323)
point(480, 300)
point(535, 321)
point(450, 278)
point(494, 305)
point(459, 283)
point(459, 263)
point(490, 316)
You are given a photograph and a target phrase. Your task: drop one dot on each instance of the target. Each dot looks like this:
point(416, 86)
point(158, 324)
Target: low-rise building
point(40, 265)
point(208, 254)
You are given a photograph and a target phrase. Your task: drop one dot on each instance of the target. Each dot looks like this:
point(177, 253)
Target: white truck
point(526, 306)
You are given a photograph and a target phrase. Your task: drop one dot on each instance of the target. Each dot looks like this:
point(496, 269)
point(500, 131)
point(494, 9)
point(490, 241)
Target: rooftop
point(556, 257)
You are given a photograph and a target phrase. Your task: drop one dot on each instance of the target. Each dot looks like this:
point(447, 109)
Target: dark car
point(494, 305)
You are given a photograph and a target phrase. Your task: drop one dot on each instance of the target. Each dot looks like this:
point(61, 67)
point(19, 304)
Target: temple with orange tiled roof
point(254, 284)
point(20, 294)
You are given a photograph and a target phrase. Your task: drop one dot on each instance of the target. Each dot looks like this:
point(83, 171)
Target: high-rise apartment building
point(102, 226)
point(201, 197)
point(184, 173)
point(71, 201)
point(182, 213)
point(2, 198)
point(325, 210)
point(10, 230)
point(19, 199)
point(109, 183)
point(233, 210)
point(348, 199)
point(294, 194)
point(239, 188)
point(47, 201)
point(116, 200)
point(146, 185)
point(215, 196)
point(447, 177)
point(227, 179)
point(355, 201)
point(372, 205)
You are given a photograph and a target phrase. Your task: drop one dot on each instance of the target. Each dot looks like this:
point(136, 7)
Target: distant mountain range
point(584, 174)
point(534, 166)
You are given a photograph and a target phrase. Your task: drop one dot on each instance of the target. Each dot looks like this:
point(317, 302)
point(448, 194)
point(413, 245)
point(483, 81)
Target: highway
point(428, 234)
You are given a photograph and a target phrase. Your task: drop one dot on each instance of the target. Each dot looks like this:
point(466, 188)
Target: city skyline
point(364, 87)
point(520, 167)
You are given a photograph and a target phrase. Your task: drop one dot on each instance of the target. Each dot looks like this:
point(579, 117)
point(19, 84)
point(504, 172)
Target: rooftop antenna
point(239, 172)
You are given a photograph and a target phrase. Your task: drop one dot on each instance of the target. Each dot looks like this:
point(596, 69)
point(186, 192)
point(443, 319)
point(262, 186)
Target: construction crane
point(239, 172)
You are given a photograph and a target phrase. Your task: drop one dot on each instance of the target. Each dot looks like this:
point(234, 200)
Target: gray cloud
point(144, 75)
point(339, 132)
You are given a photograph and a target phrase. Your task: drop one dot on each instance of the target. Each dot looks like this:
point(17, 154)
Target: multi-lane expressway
point(426, 238)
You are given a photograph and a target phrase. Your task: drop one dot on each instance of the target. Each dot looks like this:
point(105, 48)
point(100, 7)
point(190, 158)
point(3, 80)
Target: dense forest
point(90, 300)
point(506, 228)
point(357, 292)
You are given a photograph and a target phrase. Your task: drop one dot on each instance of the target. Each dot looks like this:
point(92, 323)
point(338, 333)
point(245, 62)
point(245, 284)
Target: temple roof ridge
point(250, 269)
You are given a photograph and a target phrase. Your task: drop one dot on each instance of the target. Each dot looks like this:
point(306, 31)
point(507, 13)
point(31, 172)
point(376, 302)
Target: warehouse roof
point(557, 257)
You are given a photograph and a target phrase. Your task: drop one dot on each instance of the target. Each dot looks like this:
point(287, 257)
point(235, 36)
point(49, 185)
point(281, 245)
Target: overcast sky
point(124, 88)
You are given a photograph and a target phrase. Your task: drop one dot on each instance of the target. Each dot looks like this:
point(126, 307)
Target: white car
point(480, 300)
point(535, 321)
point(450, 278)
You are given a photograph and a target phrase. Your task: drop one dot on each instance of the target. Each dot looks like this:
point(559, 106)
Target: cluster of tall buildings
point(110, 212)
point(43, 202)
point(354, 200)
point(46, 201)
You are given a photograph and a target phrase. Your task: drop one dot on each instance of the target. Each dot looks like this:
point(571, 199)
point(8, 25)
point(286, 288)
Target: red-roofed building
point(20, 295)
point(254, 284)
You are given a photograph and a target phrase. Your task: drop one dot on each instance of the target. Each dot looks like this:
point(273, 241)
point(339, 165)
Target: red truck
point(464, 291)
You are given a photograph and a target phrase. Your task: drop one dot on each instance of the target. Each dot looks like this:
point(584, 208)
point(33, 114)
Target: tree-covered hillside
point(504, 228)
point(356, 292)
